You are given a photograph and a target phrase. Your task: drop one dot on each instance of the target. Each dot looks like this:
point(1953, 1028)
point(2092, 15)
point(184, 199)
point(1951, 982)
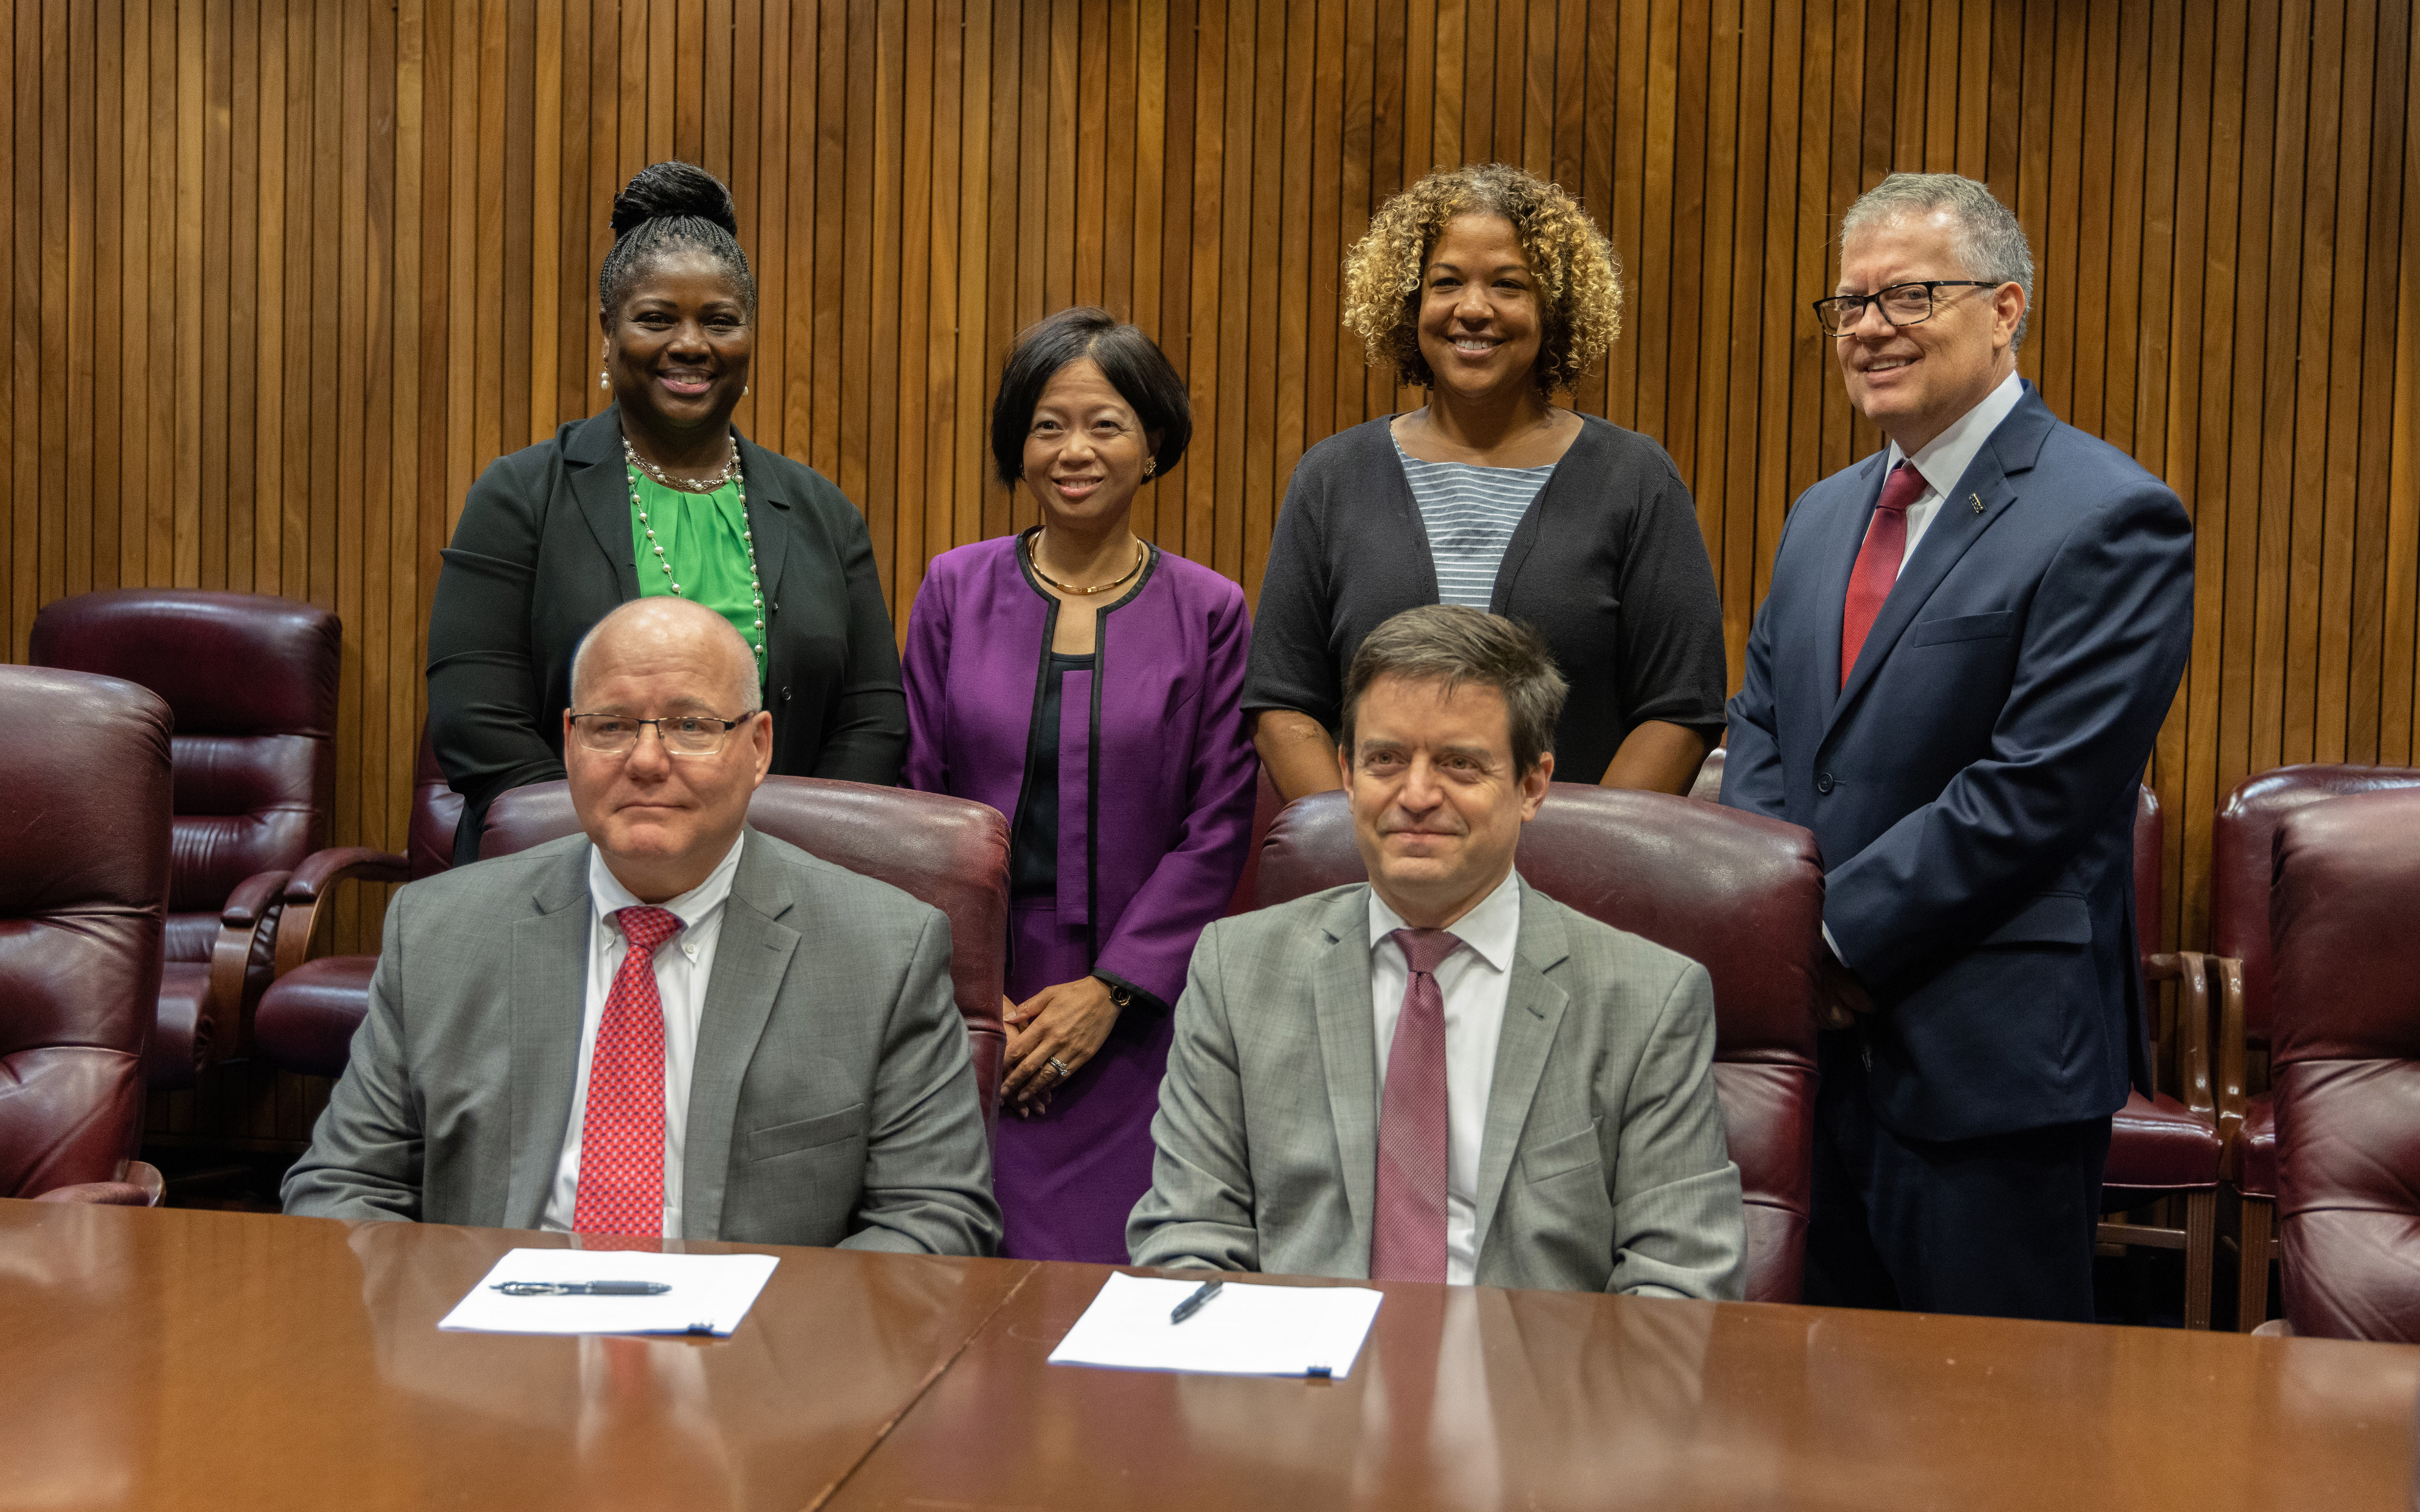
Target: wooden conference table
point(175, 1359)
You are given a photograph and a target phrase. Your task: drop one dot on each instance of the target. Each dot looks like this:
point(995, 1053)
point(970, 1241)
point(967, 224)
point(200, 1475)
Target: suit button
point(1823, 782)
point(785, 695)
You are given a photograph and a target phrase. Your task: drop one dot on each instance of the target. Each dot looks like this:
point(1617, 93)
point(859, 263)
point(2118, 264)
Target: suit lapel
point(602, 486)
point(1533, 1015)
point(1841, 561)
point(752, 955)
point(1348, 1050)
point(769, 506)
point(1956, 526)
point(550, 996)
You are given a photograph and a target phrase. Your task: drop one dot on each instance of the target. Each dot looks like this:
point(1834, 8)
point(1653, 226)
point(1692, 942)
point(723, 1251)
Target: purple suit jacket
point(1149, 853)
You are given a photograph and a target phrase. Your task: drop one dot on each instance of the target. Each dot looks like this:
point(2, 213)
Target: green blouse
point(704, 542)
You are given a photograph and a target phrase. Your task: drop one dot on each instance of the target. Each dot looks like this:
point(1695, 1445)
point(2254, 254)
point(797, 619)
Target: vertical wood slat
point(285, 275)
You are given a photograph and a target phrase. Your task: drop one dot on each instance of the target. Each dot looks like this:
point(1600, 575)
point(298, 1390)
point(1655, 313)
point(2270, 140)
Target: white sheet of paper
point(715, 1290)
point(1245, 1330)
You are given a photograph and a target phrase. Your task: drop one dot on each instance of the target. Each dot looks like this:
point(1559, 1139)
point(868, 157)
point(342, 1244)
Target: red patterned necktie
point(622, 1133)
point(1408, 1235)
point(1878, 562)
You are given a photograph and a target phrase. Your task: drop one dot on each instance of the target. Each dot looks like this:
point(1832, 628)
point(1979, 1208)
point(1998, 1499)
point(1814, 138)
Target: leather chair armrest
point(246, 925)
point(314, 880)
point(2227, 1051)
point(2189, 970)
point(138, 1186)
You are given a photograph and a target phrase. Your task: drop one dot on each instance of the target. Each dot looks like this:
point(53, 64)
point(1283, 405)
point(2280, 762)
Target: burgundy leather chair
point(1707, 786)
point(251, 680)
point(2167, 1146)
point(2345, 1065)
point(307, 1019)
point(1740, 894)
point(948, 852)
point(84, 900)
point(1266, 807)
point(2241, 852)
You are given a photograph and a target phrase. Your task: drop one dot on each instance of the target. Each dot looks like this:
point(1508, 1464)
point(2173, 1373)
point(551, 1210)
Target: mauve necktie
point(621, 1130)
point(1408, 1235)
point(1878, 562)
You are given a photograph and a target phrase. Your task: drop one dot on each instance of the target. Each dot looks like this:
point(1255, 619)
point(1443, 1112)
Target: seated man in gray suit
point(671, 1025)
point(1442, 1075)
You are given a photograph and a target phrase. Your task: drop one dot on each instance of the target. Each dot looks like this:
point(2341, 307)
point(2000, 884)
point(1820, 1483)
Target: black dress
point(1607, 565)
point(543, 552)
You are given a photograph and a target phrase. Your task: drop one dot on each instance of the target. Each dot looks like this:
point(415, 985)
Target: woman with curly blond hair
point(1494, 291)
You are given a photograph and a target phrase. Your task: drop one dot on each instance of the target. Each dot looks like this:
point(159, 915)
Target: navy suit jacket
point(1972, 785)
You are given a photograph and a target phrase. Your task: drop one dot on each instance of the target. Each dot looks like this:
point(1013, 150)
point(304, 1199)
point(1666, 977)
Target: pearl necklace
point(748, 536)
point(730, 473)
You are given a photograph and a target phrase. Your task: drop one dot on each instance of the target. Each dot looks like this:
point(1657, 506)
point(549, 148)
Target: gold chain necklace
point(1034, 560)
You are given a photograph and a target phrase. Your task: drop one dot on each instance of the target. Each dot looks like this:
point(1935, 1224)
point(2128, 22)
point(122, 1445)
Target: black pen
point(582, 1288)
point(1192, 1304)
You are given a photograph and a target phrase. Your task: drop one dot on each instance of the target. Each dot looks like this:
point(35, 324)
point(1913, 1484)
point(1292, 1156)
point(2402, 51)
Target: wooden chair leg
point(2252, 1279)
point(2201, 1256)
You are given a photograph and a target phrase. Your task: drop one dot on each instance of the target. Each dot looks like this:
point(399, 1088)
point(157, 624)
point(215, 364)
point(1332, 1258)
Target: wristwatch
point(1120, 994)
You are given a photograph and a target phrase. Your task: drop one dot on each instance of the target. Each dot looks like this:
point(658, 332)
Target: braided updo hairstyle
point(665, 207)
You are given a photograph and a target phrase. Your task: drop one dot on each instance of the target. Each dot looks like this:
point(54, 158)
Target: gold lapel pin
point(1976, 500)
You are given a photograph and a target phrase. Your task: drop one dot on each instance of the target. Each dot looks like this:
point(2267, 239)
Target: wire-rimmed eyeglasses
point(683, 735)
point(1901, 304)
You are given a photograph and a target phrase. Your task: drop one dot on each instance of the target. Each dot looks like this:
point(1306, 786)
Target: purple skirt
point(1068, 1178)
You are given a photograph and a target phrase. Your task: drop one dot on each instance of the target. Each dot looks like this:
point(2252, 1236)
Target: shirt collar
point(1945, 459)
point(1492, 928)
point(606, 891)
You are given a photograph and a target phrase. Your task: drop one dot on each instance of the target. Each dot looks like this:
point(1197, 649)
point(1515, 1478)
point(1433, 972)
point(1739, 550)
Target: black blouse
point(1607, 565)
point(543, 552)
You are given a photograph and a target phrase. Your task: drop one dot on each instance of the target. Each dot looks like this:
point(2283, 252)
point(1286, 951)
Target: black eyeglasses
point(1902, 304)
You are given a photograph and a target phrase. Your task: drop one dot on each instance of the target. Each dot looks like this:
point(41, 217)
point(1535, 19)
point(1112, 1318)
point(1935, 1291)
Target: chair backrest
point(2241, 858)
point(2346, 1065)
point(436, 811)
point(251, 681)
point(947, 851)
point(83, 892)
point(1264, 813)
point(1707, 787)
point(1742, 895)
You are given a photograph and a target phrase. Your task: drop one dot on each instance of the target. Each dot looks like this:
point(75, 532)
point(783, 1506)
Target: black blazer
point(543, 552)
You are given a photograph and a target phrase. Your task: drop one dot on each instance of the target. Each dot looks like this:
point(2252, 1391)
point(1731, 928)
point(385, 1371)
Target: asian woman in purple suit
point(1087, 685)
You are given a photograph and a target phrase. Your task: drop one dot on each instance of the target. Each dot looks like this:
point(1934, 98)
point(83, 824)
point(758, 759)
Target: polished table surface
point(195, 1358)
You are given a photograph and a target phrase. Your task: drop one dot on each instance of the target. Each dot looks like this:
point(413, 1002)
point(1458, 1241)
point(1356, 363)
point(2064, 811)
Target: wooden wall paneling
point(2390, 417)
point(284, 277)
point(2333, 391)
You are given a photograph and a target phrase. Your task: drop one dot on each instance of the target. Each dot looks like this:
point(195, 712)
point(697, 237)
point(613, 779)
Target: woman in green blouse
point(659, 494)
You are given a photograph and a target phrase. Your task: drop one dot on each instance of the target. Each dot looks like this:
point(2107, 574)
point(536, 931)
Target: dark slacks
point(1997, 1227)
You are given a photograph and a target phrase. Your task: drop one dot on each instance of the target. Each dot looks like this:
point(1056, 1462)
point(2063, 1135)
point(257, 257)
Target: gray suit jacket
point(832, 1099)
point(1602, 1165)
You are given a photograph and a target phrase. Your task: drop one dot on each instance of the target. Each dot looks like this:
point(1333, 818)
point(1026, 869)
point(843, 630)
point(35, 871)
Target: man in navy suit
point(1955, 683)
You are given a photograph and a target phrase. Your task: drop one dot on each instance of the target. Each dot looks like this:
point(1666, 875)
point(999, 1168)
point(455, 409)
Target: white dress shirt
point(1942, 461)
point(683, 965)
point(1474, 981)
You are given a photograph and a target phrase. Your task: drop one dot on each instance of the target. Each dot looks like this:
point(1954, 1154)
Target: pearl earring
point(601, 381)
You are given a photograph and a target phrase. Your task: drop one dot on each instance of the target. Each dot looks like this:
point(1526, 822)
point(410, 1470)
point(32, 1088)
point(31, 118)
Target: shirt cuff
point(1833, 945)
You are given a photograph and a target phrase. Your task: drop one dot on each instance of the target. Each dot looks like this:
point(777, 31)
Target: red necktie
point(622, 1132)
point(1878, 562)
point(1407, 1234)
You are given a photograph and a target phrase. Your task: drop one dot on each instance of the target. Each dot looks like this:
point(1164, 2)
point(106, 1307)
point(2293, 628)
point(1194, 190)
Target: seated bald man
point(671, 1025)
